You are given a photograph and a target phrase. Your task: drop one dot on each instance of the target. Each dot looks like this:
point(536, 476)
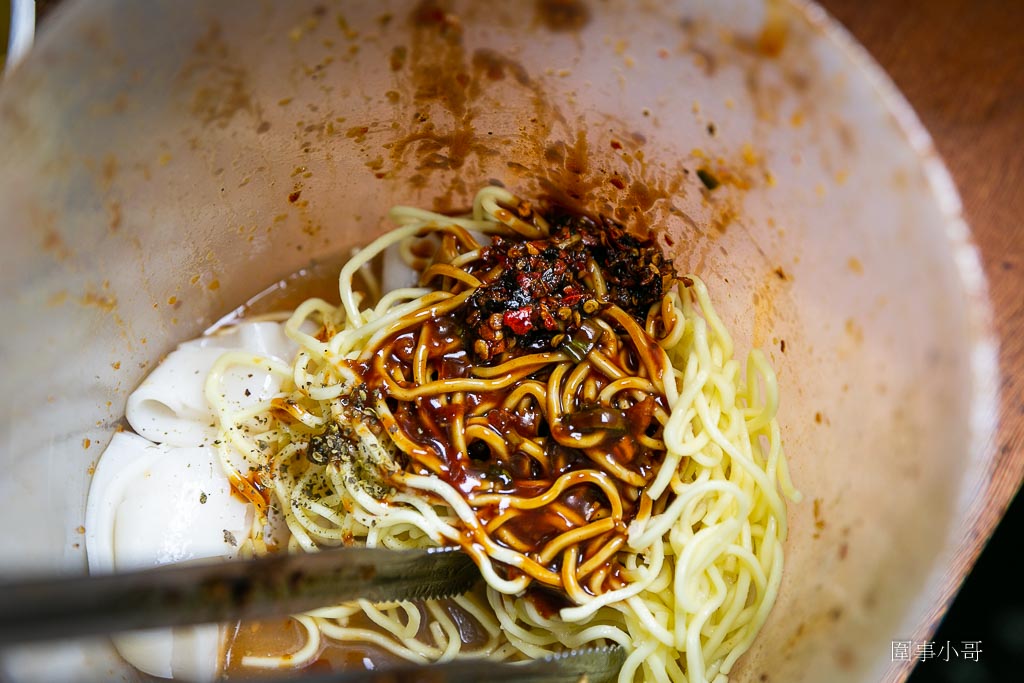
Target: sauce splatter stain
point(562, 15)
point(772, 38)
point(221, 86)
point(494, 64)
point(55, 244)
point(102, 302)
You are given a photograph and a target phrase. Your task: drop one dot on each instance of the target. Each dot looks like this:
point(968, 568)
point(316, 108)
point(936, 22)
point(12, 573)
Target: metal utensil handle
point(592, 664)
point(176, 595)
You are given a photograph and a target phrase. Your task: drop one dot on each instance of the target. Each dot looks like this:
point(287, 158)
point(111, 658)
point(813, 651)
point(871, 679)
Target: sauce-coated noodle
point(549, 397)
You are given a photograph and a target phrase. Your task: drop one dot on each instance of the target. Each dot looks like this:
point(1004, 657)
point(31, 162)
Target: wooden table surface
point(960, 63)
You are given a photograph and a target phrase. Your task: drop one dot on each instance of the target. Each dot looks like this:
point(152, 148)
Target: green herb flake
point(706, 177)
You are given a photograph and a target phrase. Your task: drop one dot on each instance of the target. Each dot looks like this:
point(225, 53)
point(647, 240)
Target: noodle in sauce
point(549, 397)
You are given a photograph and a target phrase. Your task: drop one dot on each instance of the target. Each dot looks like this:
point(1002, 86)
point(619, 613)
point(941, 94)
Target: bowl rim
point(22, 32)
point(983, 493)
point(982, 499)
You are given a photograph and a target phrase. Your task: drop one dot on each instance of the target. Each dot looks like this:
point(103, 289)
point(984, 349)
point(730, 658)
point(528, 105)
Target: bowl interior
point(165, 161)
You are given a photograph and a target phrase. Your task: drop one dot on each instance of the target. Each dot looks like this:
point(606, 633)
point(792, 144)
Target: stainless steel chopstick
point(174, 595)
point(591, 664)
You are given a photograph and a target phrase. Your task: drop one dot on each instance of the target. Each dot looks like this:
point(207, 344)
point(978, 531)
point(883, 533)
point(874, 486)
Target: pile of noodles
point(679, 564)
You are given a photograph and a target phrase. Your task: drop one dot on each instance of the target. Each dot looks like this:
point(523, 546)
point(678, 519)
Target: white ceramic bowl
point(164, 161)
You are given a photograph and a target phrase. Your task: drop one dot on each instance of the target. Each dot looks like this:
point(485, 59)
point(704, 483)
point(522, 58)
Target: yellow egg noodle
point(698, 567)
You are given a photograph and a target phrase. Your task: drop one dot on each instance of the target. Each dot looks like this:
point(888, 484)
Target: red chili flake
point(571, 296)
point(540, 288)
point(549, 321)
point(519, 320)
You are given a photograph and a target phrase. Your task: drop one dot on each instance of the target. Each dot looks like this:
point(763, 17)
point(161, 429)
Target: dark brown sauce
point(494, 65)
point(547, 602)
point(319, 279)
point(284, 636)
point(539, 277)
point(562, 15)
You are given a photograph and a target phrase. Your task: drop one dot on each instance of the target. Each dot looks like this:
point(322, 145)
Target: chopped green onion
point(592, 420)
point(582, 341)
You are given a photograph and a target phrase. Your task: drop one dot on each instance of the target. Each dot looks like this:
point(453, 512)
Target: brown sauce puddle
point(318, 279)
point(283, 636)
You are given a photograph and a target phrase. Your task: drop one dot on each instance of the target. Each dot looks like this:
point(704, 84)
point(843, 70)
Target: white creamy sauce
point(169, 406)
point(160, 495)
point(165, 498)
